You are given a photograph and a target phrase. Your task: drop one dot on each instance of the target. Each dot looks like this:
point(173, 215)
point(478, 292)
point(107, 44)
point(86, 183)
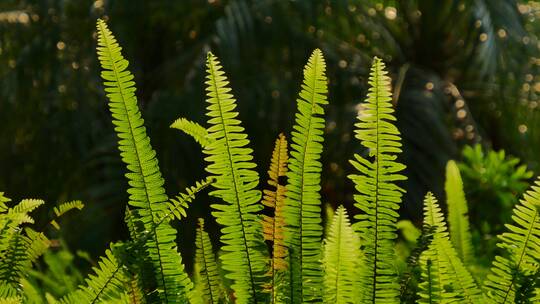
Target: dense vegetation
point(305, 259)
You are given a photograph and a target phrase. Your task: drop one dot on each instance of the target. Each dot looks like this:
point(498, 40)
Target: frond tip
point(193, 129)
point(341, 261)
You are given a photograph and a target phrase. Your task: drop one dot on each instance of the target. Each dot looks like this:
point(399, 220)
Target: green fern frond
point(303, 200)
point(341, 261)
point(10, 300)
point(146, 190)
point(178, 206)
point(230, 161)
point(378, 195)
point(3, 202)
point(273, 226)
point(521, 244)
point(458, 218)
point(64, 208)
point(445, 278)
point(193, 129)
point(207, 279)
point(26, 206)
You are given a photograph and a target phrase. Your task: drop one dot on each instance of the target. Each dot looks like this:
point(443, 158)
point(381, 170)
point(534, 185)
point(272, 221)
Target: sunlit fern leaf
point(230, 161)
point(63, 208)
point(193, 129)
point(10, 300)
point(27, 206)
point(458, 218)
point(521, 245)
point(107, 283)
point(3, 202)
point(179, 204)
point(207, 278)
point(303, 201)
point(445, 279)
point(341, 261)
point(378, 196)
point(146, 183)
point(273, 226)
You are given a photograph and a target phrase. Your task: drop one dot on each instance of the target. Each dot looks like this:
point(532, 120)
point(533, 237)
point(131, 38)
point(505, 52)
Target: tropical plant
point(350, 263)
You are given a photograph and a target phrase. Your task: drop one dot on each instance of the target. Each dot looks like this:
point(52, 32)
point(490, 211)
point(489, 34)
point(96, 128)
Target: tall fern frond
point(521, 245)
point(458, 213)
point(230, 161)
point(378, 195)
point(193, 129)
point(445, 278)
point(341, 261)
point(146, 183)
point(273, 226)
point(207, 278)
point(303, 200)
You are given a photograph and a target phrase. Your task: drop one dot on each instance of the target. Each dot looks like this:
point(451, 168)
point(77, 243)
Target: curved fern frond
point(445, 278)
point(177, 206)
point(521, 244)
point(27, 206)
point(193, 129)
point(10, 300)
point(378, 195)
point(458, 218)
point(273, 226)
point(3, 202)
point(146, 183)
point(230, 161)
point(207, 279)
point(303, 200)
point(341, 261)
point(64, 208)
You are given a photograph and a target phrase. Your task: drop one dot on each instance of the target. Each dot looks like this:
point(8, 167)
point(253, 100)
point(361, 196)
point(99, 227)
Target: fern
point(231, 163)
point(146, 184)
point(458, 218)
point(273, 226)
point(207, 279)
point(177, 206)
point(303, 203)
point(378, 195)
point(63, 208)
point(445, 278)
point(341, 261)
point(193, 129)
point(521, 244)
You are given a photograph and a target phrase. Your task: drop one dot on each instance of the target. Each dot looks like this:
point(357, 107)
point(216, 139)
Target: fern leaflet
point(193, 129)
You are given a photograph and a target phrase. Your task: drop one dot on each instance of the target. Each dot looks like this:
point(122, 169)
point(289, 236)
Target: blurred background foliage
point(464, 72)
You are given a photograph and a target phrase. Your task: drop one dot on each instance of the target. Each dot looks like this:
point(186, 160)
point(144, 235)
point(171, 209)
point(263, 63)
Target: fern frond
point(458, 218)
point(230, 161)
point(10, 300)
point(26, 206)
point(178, 206)
point(273, 226)
point(146, 183)
point(3, 202)
point(378, 195)
point(303, 200)
point(207, 279)
point(341, 261)
point(193, 129)
point(521, 245)
point(64, 208)
point(445, 278)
